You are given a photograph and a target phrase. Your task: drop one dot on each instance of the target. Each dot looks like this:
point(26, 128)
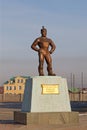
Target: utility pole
point(73, 86)
point(82, 84)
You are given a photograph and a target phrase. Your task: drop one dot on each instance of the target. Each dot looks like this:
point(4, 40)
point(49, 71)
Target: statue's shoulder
point(38, 39)
point(49, 39)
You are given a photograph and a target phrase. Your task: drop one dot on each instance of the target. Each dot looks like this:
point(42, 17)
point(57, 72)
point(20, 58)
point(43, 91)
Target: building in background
point(15, 85)
point(1, 89)
point(84, 90)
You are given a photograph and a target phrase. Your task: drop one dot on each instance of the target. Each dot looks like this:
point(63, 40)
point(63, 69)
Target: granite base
point(46, 118)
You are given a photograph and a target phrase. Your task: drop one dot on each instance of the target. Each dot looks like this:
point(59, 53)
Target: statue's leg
point(49, 65)
point(41, 62)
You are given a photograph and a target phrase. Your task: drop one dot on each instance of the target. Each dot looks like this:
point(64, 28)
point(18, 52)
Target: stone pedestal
point(46, 101)
point(46, 94)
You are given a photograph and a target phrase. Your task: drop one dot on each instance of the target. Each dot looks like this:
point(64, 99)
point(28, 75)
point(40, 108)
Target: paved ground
point(7, 123)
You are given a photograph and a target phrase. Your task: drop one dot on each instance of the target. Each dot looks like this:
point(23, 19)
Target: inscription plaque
point(50, 88)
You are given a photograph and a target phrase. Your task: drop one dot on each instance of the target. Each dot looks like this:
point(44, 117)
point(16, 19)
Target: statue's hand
point(39, 50)
point(51, 52)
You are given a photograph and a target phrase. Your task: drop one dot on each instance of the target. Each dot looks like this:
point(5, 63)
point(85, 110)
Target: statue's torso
point(43, 44)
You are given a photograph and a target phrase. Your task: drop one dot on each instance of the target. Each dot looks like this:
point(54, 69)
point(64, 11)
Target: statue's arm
point(34, 45)
point(53, 46)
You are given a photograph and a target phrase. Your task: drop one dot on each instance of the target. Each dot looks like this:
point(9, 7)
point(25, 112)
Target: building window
point(10, 88)
point(11, 81)
point(21, 80)
point(18, 81)
point(14, 87)
point(19, 88)
point(7, 88)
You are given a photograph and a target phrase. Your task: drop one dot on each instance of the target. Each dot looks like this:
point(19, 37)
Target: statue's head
point(43, 31)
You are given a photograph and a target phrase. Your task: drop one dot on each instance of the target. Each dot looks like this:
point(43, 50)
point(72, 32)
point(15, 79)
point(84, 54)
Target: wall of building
point(11, 97)
point(19, 97)
point(78, 96)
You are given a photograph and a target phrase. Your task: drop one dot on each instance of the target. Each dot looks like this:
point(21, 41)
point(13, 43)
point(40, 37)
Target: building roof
point(6, 82)
point(74, 90)
point(25, 76)
point(85, 89)
point(13, 79)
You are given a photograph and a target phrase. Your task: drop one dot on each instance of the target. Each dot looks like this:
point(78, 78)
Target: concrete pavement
point(7, 123)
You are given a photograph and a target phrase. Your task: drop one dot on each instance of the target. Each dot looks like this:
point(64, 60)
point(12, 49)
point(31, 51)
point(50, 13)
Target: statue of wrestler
point(45, 47)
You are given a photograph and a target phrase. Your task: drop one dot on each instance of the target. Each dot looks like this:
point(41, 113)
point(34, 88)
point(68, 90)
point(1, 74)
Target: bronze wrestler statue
point(41, 45)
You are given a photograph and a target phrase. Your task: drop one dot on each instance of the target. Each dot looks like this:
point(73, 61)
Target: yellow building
point(15, 85)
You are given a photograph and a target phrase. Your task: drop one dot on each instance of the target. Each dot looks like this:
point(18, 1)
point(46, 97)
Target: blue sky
point(20, 24)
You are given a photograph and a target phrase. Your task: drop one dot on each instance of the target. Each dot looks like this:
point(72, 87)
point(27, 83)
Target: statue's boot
point(40, 70)
point(50, 72)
